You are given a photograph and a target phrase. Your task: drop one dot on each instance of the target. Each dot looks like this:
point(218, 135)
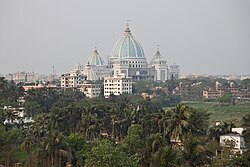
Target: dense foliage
point(125, 130)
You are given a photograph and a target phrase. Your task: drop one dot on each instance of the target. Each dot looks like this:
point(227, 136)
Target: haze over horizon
point(203, 37)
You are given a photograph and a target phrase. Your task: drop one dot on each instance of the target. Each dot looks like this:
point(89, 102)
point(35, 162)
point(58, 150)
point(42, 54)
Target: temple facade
point(127, 59)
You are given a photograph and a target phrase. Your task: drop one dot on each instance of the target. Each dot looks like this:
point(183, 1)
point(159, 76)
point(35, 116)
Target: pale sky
point(202, 36)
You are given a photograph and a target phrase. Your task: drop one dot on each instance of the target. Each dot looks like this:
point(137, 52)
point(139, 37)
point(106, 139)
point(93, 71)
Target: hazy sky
point(202, 36)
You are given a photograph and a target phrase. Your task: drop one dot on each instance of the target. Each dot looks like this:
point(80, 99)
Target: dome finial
point(95, 46)
point(158, 48)
point(127, 30)
point(127, 24)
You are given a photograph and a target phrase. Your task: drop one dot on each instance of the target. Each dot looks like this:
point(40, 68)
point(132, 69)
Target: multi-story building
point(212, 94)
point(117, 85)
point(174, 72)
point(238, 95)
point(90, 89)
point(22, 76)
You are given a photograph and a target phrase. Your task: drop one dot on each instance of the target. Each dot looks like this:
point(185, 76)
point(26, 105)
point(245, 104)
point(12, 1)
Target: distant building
point(237, 130)
point(90, 89)
point(77, 79)
point(35, 86)
point(38, 86)
point(212, 94)
point(29, 77)
point(238, 95)
point(188, 91)
point(117, 85)
point(127, 57)
point(126, 62)
point(22, 77)
point(19, 115)
point(233, 141)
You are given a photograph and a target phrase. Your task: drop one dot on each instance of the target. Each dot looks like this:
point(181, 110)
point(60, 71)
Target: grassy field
point(222, 112)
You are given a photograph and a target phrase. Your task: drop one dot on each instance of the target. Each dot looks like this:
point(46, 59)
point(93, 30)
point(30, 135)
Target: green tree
point(27, 144)
point(105, 154)
point(3, 87)
point(8, 143)
point(178, 124)
point(80, 149)
point(246, 125)
point(195, 154)
point(157, 153)
point(54, 144)
point(226, 98)
point(133, 144)
point(198, 122)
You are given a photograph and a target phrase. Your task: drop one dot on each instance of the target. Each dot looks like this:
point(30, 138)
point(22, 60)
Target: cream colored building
point(117, 85)
point(90, 89)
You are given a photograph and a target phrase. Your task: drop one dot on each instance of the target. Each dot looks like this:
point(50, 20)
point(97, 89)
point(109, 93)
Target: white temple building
point(127, 59)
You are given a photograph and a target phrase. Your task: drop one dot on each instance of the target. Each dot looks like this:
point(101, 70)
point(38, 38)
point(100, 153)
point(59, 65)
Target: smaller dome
point(95, 59)
point(91, 75)
point(158, 59)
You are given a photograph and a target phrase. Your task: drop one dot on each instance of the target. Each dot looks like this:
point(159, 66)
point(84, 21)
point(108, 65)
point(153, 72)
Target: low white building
point(117, 85)
point(234, 141)
point(237, 130)
point(90, 89)
point(18, 115)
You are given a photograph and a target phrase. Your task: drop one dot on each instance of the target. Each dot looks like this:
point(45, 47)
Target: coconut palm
point(158, 154)
point(3, 85)
point(28, 142)
point(54, 144)
point(246, 121)
point(194, 153)
point(178, 124)
point(164, 118)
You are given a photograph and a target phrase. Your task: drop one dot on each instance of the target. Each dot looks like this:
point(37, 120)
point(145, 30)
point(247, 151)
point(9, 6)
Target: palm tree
point(3, 86)
point(168, 157)
point(27, 145)
point(164, 118)
point(158, 154)
point(10, 116)
point(216, 131)
point(178, 124)
point(54, 144)
point(246, 121)
point(195, 154)
point(113, 117)
point(89, 123)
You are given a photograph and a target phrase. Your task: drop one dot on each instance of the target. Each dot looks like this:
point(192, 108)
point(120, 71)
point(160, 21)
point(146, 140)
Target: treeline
point(121, 131)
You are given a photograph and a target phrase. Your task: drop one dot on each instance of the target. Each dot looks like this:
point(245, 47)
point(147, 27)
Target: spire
point(95, 51)
point(158, 54)
point(127, 30)
point(95, 47)
point(158, 48)
point(127, 24)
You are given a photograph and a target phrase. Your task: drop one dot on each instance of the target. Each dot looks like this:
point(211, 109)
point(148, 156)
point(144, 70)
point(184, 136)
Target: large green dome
point(127, 47)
